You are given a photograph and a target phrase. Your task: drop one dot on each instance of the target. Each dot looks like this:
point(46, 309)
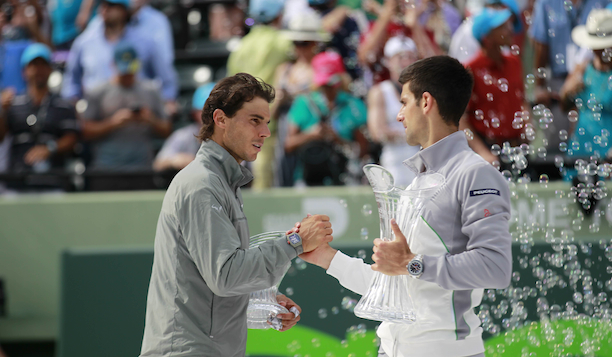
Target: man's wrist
point(295, 241)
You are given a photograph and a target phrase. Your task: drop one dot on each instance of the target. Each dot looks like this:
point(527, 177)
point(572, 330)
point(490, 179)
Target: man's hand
point(392, 257)
point(321, 256)
point(288, 320)
point(36, 154)
point(122, 116)
point(315, 230)
point(6, 98)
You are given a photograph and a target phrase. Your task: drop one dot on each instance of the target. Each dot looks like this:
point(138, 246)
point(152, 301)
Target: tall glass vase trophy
point(388, 298)
point(263, 306)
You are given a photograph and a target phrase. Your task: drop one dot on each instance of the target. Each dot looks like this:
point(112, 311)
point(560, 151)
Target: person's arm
point(72, 88)
point(425, 46)
point(84, 15)
point(41, 152)
point(377, 115)
point(332, 22)
point(476, 143)
point(93, 130)
point(571, 87)
point(6, 100)
point(215, 246)
point(377, 36)
point(487, 260)
point(161, 127)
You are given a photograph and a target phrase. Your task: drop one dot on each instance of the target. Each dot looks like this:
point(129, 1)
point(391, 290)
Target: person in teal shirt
point(589, 92)
point(324, 124)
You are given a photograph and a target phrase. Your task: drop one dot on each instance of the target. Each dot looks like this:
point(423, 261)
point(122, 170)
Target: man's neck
point(113, 32)
point(37, 94)
point(495, 54)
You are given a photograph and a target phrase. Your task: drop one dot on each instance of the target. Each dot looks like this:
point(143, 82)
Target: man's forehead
point(257, 106)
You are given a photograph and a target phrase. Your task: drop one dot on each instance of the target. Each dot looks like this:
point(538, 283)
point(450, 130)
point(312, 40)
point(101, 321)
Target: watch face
point(294, 238)
point(415, 268)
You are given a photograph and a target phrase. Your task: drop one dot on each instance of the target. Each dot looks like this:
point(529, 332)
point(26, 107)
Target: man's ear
point(427, 102)
point(219, 118)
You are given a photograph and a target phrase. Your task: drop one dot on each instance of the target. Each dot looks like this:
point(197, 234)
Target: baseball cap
point(512, 5)
point(126, 58)
point(489, 20)
point(399, 44)
point(264, 11)
point(125, 3)
point(33, 51)
point(201, 94)
point(327, 67)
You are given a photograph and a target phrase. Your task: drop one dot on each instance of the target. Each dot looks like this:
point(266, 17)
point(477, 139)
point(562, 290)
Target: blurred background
point(101, 102)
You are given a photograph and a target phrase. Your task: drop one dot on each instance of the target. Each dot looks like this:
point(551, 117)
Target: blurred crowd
point(91, 86)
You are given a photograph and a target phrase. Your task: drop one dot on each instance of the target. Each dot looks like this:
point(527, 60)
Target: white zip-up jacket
point(464, 237)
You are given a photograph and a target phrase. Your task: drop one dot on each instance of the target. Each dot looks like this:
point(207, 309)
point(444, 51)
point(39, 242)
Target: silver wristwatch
point(295, 241)
point(415, 267)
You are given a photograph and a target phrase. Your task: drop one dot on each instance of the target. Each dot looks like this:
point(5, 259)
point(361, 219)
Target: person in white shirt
point(461, 244)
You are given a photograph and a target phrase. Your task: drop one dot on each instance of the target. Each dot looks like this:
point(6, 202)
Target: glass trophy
point(388, 298)
point(262, 304)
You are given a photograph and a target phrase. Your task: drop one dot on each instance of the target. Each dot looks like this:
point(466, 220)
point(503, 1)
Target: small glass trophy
point(388, 298)
point(262, 304)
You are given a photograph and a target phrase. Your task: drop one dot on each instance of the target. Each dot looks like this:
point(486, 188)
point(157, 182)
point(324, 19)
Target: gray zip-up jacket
point(203, 270)
point(464, 237)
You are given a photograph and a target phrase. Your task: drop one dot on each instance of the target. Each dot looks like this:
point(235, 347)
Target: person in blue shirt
point(150, 22)
point(591, 88)
point(90, 62)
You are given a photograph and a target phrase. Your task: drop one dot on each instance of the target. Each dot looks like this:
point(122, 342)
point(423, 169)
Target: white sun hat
point(597, 33)
point(399, 44)
point(306, 27)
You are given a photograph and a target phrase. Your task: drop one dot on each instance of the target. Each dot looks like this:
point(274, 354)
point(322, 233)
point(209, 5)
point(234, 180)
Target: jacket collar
point(235, 174)
point(437, 155)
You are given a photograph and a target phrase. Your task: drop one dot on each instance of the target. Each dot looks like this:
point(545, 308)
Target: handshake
point(316, 233)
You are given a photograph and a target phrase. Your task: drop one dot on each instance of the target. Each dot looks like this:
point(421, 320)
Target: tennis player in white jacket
point(462, 243)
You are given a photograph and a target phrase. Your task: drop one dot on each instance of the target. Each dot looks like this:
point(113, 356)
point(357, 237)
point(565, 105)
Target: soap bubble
point(364, 233)
point(343, 203)
point(322, 313)
point(515, 50)
point(495, 149)
point(490, 97)
point(289, 291)
point(502, 84)
point(468, 134)
point(563, 134)
point(479, 114)
point(366, 210)
point(530, 79)
point(488, 79)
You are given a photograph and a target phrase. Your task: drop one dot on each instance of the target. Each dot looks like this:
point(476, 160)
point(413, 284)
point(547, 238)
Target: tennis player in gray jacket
point(461, 244)
point(203, 270)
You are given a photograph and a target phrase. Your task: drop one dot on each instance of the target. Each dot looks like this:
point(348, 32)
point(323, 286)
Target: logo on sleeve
point(218, 208)
point(484, 191)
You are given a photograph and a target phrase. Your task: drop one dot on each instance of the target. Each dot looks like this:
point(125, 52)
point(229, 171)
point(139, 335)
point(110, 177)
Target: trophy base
point(397, 317)
point(259, 313)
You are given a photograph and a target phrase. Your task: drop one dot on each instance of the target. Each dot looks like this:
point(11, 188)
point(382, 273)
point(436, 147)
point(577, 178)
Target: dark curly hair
point(229, 95)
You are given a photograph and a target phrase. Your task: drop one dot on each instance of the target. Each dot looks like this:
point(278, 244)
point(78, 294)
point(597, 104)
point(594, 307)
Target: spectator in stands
point(259, 54)
point(181, 147)
point(552, 23)
point(395, 18)
point(592, 87)
point(383, 106)
point(23, 23)
point(441, 19)
point(322, 121)
point(292, 79)
point(338, 21)
point(64, 22)
point(464, 47)
point(90, 62)
point(151, 22)
point(123, 116)
point(495, 112)
point(43, 126)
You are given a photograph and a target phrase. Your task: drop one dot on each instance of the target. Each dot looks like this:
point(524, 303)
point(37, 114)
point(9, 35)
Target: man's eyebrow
point(257, 116)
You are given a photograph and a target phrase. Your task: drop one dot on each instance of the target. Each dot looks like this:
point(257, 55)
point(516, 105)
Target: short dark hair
point(446, 80)
point(229, 95)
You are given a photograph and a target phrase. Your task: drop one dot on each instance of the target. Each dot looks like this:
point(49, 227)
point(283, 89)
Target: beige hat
point(306, 27)
point(399, 44)
point(597, 33)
